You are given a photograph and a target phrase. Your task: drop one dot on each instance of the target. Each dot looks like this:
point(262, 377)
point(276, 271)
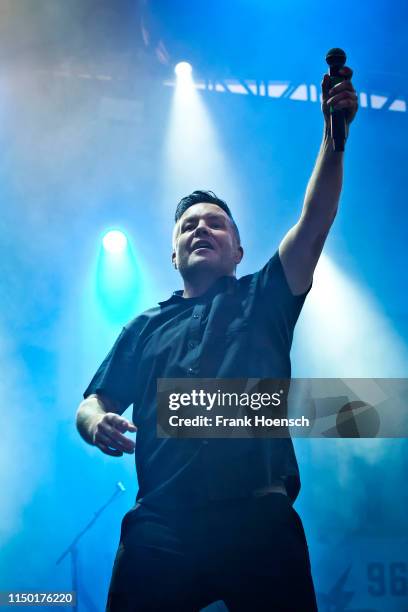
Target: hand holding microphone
point(339, 98)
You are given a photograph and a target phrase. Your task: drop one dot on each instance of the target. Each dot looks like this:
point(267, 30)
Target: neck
point(194, 287)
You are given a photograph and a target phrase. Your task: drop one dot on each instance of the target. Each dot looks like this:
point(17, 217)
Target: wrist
point(327, 139)
point(88, 417)
point(327, 145)
point(327, 133)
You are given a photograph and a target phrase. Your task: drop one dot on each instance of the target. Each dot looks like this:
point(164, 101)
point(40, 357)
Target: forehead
point(203, 209)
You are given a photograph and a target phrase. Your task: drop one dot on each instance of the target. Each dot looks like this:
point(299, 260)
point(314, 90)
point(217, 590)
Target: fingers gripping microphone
point(336, 58)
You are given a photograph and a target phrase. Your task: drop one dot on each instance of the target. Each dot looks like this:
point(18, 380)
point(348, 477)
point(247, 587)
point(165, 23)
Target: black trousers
point(251, 553)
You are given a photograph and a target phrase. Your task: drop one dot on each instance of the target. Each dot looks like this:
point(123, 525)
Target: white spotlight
point(114, 241)
point(183, 70)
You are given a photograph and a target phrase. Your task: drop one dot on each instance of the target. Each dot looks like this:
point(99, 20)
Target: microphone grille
point(336, 57)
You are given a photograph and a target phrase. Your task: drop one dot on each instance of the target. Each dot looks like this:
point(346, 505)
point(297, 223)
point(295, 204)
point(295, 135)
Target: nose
point(201, 229)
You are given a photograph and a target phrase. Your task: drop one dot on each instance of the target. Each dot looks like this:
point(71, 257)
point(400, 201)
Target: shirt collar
point(223, 284)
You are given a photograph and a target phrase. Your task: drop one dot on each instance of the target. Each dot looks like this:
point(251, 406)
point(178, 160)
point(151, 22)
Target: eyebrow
point(205, 215)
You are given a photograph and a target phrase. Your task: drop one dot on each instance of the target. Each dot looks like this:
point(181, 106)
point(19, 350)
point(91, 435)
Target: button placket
point(195, 327)
point(194, 338)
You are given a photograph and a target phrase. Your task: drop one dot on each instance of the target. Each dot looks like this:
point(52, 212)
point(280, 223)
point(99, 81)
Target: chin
point(207, 259)
point(201, 264)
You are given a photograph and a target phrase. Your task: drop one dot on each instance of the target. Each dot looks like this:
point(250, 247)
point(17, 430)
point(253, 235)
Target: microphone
point(336, 58)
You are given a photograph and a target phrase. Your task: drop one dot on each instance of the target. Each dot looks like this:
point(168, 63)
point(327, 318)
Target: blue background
point(84, 134)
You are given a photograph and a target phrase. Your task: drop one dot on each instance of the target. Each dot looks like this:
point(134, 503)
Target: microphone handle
point(337, 117)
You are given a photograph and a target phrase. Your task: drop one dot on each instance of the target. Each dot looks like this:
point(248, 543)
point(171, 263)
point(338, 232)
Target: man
point(214, 518)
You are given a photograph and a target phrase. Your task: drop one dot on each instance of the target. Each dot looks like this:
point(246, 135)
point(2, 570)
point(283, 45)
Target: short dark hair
point(208, 197)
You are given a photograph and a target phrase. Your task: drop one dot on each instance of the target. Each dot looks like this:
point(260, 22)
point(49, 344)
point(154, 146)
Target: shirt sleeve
point(276, 295)
point(116, 376)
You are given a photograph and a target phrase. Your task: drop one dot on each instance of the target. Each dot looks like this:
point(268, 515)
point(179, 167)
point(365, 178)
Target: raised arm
point(300, 249)
point(99, 422)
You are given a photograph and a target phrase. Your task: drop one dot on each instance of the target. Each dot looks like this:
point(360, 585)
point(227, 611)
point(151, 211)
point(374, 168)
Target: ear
point(173, 259)
point(239, 254)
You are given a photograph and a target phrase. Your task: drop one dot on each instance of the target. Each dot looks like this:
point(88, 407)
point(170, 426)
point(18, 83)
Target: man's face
point(205, 240)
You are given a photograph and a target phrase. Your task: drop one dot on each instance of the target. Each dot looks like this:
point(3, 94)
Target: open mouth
point(202, 244)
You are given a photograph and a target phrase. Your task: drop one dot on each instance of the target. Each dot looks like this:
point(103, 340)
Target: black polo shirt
point(239, 328)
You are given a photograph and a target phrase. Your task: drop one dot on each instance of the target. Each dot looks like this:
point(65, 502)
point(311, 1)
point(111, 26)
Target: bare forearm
point(300, 249)
point(324, 187)
point(89, 412)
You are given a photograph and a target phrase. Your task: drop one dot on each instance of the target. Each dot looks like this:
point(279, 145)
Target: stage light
point(183, 70)
point(114, 241)
point(193, 154)
point(360, 335)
